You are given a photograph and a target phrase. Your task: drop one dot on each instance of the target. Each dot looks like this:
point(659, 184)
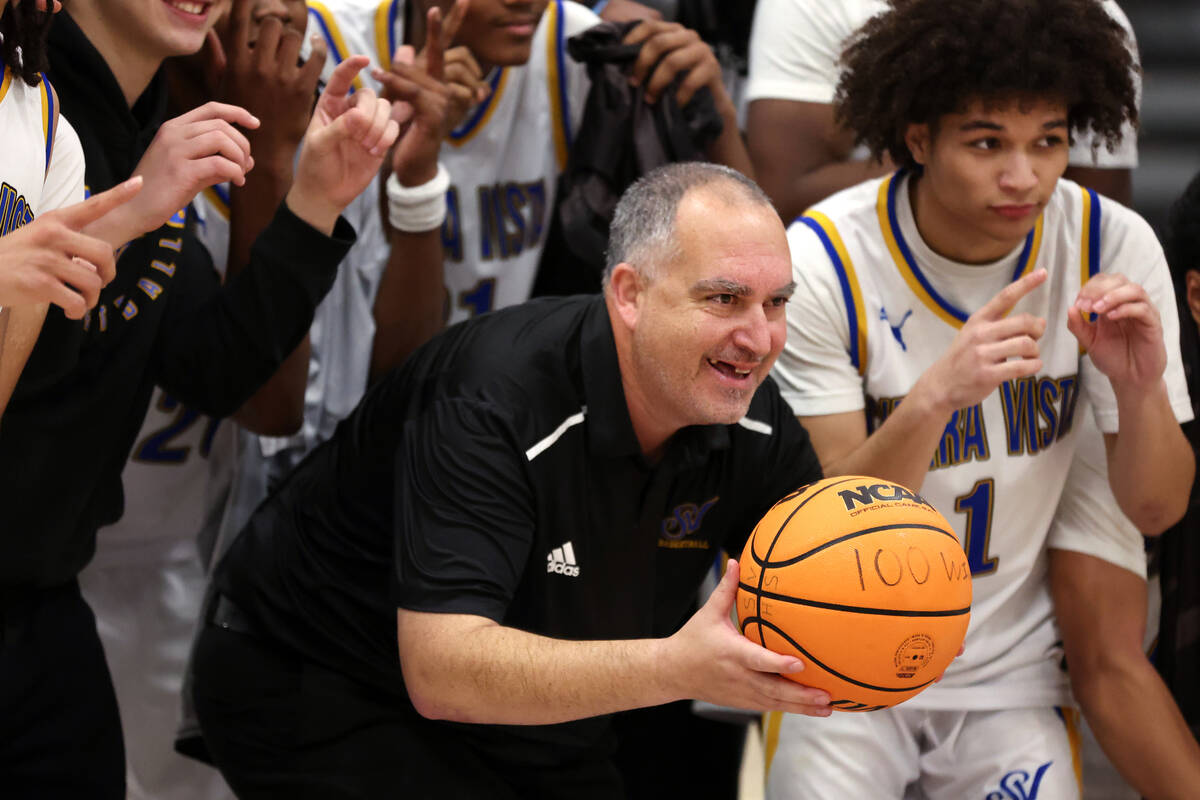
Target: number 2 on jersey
point(977, 505)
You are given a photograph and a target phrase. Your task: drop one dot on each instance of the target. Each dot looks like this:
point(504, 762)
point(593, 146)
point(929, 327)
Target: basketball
point(865, 582)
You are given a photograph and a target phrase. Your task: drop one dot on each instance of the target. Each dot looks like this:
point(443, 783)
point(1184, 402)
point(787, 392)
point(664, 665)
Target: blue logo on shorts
point(1020, 785)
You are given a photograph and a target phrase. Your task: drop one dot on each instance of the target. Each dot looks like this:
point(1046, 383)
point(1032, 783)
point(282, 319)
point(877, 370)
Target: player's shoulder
point(1083, 210)
point(850, 211)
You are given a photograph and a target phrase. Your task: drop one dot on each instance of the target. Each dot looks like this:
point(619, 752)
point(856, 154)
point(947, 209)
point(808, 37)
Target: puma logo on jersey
point(883, 315)
point(561, 561)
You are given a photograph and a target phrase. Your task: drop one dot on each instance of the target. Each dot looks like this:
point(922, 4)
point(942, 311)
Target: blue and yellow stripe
point(6, 82)
point(1070, 719)
point(560, 110)
point(856, 312)
point(385, 31)
point(1089, 250)
point(49, 117)
point(332, 34)
point(218, 198)
point(889, 225)
point(483, 112)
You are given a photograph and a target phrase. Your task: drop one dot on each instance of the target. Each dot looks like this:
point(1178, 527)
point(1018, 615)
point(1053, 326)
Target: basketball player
point(803, 156)
point(75, 411)
point(147, 580)
point(978, 102)
point(517, 537)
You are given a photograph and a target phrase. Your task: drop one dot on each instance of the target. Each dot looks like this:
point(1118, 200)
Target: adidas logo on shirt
point(561, 560)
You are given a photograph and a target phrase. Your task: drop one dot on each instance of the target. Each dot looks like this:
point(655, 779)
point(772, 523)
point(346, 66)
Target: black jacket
point(621, 138)
point(164, 320)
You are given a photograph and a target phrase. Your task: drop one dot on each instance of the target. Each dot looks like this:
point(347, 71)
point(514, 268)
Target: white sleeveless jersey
point(504, 159)
point(41, 164)
point(875, 308)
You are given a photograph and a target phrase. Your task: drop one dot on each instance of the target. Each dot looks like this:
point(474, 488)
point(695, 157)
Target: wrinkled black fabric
point(620, 138)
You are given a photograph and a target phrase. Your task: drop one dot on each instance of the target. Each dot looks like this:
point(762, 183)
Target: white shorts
point(935, 755)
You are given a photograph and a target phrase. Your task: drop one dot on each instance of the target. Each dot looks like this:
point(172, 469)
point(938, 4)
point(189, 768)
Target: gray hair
point(643, 226)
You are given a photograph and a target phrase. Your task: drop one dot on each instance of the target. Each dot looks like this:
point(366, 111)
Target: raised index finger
point(434, 44)
point(343, 76)
point(239, 25)
point(453, 22)
point(80, 215)
point(1010, 295)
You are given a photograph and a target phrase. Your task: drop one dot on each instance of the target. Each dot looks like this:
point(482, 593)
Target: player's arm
point(800, 154)
point(1097, 564)
point(469, 668)
point(991, 348)
point(683, 52)
point(221, 346)
point(1101, 610)
point(269, 81)
point(430, 93)
point(1150, 463)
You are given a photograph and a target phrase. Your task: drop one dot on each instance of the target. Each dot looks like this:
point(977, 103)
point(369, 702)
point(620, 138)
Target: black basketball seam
point(849, 536)
point(887, 612)
point(762, 622)
point(778, 533)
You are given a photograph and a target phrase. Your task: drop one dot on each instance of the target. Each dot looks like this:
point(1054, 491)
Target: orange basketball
point(865, 582)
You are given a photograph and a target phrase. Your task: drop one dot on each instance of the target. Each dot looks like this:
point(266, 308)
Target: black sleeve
point(219, 344)
point(464, 512)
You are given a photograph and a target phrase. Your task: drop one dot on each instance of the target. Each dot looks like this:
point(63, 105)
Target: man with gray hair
point(527, 508)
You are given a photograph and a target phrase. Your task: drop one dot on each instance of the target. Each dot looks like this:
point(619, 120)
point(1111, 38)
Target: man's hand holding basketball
point(707, 659)
point(1125, 341)
point(346, 142)
point(991, 348)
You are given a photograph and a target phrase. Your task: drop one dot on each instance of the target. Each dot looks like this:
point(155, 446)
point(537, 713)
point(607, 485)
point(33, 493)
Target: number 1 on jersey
point(977, 505)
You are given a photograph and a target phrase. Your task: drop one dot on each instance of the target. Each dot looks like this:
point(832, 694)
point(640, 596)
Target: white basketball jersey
point(875, 308)
point(504, 159)
point(41, 164)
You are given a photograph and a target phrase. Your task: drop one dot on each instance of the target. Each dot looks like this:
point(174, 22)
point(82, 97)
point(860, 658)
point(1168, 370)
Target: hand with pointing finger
point(707, 659)
point(425, 103)
point(345, 144)
point(991, 348)
point(52, 259)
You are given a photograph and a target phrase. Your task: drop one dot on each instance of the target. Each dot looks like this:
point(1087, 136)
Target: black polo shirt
point(497, 473)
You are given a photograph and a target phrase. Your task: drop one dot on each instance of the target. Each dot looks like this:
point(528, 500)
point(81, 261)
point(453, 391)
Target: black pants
point(60, 732)
point(279, 726)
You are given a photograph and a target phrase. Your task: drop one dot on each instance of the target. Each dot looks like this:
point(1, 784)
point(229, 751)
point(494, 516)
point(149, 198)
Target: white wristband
point(416, 209)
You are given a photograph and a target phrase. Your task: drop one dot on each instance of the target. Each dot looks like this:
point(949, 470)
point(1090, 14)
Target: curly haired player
point(960, 327)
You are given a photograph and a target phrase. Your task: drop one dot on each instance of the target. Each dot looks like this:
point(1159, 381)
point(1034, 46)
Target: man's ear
point(1192, 284)
point(625, 286)
point(919, 140)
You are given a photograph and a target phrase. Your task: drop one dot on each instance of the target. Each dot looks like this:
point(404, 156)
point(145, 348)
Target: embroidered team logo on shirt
point(561, 561)
point(685, 520)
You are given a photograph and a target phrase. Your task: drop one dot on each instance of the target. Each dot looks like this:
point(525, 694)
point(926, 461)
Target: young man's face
point(498, 32)
point(988, 174)
point(160, 28)
point(711, 323)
